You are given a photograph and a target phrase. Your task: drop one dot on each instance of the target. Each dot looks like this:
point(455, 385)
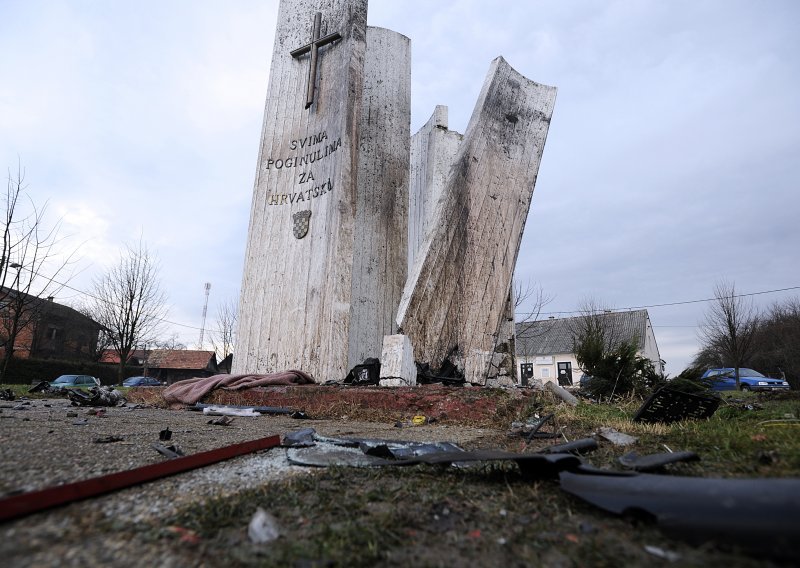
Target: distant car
point(75, 382)
point(141, 382)
point(749, 380)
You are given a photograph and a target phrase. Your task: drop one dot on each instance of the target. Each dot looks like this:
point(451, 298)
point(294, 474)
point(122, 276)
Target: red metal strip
point(27, 503)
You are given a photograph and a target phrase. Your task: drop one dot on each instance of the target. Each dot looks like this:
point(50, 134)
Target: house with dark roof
point(171, 365)
point(48, 330)
point(545, 349)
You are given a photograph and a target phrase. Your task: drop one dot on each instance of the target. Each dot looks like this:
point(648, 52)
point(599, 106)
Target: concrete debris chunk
point(617, 438)
point(263, 527)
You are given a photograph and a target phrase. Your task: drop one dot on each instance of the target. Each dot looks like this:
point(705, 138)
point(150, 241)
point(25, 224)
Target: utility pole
point(205, 311)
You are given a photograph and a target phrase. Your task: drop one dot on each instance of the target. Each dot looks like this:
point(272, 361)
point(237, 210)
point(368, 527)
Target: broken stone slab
point(456, 293)
point(398, 368)
point(616, 437)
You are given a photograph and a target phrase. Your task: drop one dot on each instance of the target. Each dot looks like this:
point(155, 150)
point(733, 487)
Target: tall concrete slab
point(455, 297)
point(433, 149)
point(295, 305)
point(381, 245)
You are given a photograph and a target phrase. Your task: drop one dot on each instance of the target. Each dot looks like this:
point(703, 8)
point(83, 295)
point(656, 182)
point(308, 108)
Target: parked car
point(725, 379)
point(75, 382)
point(141, 382)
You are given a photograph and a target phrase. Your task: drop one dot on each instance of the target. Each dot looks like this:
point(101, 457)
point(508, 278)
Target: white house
point(545, 349)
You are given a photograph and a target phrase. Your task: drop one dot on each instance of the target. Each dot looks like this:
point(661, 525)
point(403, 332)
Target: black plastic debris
point(108, 439)
point(165, 435)
point(41, 386)
point(537, 427)
point(584, 445)
point(532, 466)
point(758, 515)
point(367, 373)
point(7, 394)
point(667, 405)
point(653, 462)
point(448, 374)
point(173, 451)
point(97, 396)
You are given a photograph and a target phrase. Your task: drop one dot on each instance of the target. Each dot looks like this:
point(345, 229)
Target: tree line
point(736, 334)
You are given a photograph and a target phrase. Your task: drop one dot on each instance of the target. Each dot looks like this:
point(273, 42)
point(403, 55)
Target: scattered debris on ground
point(654, 462)
point(667, 405)
point(97, 396)
point(615, 437)
point(221, 421)
point(757, 514)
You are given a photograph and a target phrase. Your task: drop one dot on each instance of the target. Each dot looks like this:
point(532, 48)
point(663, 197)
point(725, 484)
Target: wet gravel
point(47, 442)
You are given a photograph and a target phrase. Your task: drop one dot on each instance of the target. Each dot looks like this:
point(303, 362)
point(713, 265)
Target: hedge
point(30, 371)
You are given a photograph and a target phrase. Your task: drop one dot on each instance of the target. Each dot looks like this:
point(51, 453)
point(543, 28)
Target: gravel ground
point(47, 442)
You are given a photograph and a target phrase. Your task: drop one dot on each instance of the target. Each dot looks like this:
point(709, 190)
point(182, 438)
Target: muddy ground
point(425, 516)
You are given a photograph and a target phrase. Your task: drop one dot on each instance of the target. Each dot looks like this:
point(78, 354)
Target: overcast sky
point(672, 161)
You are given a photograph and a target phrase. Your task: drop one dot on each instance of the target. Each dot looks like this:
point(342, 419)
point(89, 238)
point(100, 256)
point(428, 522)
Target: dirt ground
point(426, 516)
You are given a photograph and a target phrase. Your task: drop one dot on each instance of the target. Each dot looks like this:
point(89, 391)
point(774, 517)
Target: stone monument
point(359, 232)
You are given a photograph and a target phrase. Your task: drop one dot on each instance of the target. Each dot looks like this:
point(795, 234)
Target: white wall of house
point(545, 367)
point(651, 348)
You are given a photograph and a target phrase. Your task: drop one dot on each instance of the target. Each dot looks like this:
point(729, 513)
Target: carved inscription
point(307, 151)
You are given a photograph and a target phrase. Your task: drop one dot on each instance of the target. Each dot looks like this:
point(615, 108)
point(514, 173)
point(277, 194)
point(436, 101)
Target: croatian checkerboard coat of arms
point(301, 221)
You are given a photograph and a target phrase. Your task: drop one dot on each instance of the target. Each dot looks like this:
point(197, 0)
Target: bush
point(619, 371)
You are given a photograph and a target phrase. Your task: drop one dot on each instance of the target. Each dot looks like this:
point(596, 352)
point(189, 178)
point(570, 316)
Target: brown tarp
point(191, 391)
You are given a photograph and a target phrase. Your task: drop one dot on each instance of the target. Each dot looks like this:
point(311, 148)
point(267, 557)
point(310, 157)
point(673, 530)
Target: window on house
point(546, 373)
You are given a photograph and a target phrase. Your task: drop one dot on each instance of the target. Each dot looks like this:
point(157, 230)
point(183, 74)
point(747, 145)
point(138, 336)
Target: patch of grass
point(22, 390)
point(486, 515)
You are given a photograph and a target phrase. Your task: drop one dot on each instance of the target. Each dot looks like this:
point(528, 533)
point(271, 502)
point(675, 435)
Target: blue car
point(749, 380)
point(141, 382)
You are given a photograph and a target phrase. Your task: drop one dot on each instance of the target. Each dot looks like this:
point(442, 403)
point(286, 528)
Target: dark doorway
point(565, 374)
point(526, 373)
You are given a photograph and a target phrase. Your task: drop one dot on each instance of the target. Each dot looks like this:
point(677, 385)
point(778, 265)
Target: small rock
point(263, 527)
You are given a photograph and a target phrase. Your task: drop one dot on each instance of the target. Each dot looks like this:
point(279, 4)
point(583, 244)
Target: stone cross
point(313, 47)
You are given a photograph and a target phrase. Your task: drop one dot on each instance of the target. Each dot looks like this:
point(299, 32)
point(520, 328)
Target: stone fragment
point(398, 368)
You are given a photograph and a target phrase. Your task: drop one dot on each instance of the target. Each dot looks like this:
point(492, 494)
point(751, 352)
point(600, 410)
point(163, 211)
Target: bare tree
point(30, 261)
point(172, 343)
point(129, 303)
point(535, 299)
point(730, 327)
point(224, 334)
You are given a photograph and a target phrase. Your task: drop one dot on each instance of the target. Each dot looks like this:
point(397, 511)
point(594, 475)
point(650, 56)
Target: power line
point(667, 304)
point(527, 315)
point(90, 295)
